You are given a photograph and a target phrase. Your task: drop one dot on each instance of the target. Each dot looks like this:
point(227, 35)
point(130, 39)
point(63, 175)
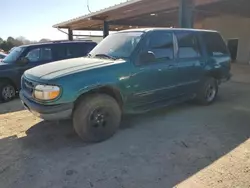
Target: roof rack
point(58, 41)
point(61, 41)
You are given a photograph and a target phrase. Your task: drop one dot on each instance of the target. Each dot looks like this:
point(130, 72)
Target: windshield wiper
point(105, 56)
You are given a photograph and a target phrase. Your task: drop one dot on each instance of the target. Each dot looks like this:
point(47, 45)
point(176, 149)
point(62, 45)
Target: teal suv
point(130, 71)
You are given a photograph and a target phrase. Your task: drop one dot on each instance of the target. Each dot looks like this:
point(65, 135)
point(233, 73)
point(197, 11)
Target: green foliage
point(11, 42)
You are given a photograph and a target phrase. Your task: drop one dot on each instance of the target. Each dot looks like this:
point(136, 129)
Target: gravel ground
point(182, 146)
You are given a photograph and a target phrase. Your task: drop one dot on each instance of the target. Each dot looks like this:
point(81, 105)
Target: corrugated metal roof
point(140, 13)
point(87, 16)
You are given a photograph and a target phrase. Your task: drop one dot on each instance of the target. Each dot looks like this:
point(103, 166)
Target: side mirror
point(23, 61)
point(147, 57)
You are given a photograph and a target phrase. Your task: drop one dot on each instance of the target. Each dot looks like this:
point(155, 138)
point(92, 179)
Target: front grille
point(27, 85)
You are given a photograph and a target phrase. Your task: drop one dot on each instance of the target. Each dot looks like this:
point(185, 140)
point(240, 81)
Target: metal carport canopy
point(154, 13)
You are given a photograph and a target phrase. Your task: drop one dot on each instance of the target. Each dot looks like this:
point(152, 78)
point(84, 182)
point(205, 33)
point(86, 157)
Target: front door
point(156, 80)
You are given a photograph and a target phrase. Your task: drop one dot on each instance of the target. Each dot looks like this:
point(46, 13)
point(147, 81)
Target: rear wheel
point(96, 117)
point(208, 91)
point(7, 91)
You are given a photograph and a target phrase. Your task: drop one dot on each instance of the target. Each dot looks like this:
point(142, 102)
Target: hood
point(65, 67)
point(5, 66)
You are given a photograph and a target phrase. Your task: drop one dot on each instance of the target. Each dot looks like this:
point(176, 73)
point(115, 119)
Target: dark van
point(25, 57)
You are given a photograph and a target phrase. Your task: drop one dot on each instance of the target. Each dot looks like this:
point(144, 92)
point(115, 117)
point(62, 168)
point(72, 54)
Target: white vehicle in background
point(2, 56)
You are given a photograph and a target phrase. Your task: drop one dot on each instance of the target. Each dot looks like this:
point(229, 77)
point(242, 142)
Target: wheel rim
point(210, 92)
point(8, 92)
point(99, 118)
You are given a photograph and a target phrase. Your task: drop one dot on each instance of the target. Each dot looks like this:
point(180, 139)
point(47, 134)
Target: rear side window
point(161, 44)
point(214, 44)
point(188, 45)
point(78, 50)
point(73, 50)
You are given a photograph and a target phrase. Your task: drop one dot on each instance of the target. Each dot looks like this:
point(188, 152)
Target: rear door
point(190, 60)
point(218, 56)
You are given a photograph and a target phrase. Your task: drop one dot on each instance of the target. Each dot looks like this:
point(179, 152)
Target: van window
point(188, 45)
point(39, 54)
point(78, 50)
point(214, 44)
point(161, 44)
point(73, 50)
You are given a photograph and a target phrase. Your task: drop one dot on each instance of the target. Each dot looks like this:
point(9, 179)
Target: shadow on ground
point(12, 106)
point(157, 149)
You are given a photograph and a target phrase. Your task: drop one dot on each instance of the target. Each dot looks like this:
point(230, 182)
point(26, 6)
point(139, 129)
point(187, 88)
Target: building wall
point(232, 27)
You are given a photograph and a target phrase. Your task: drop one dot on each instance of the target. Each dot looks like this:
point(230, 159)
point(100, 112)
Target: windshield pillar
point(105, 29)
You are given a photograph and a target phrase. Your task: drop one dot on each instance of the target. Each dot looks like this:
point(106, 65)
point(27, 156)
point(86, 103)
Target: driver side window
point(161, 44)
point(39, 54)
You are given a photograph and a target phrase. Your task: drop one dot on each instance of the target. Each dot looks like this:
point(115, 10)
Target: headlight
point(46, 92)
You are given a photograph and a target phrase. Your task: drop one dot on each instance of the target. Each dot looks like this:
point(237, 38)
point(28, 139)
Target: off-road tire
point(6, 86)
point(208, 91)
point(88, 109)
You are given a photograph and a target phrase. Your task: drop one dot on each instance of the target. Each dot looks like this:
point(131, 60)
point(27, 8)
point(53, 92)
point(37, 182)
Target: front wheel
point(7, 91)
point(208, 91)
point(96, 117)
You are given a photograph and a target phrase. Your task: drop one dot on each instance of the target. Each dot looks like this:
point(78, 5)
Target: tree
point(11, 42)
point(10, 39)
point(23, 40)
point(5, 46)
point(44, 40)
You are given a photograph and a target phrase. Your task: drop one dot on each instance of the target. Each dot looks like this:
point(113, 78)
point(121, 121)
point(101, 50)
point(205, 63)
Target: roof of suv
point(168, 29)
point(59, 42)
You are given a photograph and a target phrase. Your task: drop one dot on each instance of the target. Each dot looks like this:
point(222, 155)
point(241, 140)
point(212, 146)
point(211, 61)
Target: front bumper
point(47, 112)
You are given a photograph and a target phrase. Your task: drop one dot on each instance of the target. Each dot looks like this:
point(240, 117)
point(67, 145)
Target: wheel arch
point(108, 90)
point(6, 79)
point(214, 74)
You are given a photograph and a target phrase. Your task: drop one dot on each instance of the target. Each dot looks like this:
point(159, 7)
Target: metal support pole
point(186, 13)
point(70, 34)
point(105, 29)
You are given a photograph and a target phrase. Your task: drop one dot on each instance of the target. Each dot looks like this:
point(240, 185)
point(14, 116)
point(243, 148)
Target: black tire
point(208, 91)
point(96, 118)
point(7, 91)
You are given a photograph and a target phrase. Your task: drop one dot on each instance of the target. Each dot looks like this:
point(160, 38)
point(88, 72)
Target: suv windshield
point(14, 55)
point(117, 45)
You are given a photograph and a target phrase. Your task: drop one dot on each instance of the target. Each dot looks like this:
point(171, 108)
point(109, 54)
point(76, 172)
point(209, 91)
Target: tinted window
point(215, 44)
point(161, 44)
point(59, 52)
point(39, 54)
point(78, 50)
point(73, 50)
point(188, 45)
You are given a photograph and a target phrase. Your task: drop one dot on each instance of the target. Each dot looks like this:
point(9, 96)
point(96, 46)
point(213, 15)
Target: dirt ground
point(186, 146)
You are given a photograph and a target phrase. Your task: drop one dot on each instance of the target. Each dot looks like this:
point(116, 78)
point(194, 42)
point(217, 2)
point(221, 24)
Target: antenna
point(88, 6)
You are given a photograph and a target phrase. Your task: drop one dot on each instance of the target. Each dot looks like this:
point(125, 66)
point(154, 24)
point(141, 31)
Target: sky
point(33, 19)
